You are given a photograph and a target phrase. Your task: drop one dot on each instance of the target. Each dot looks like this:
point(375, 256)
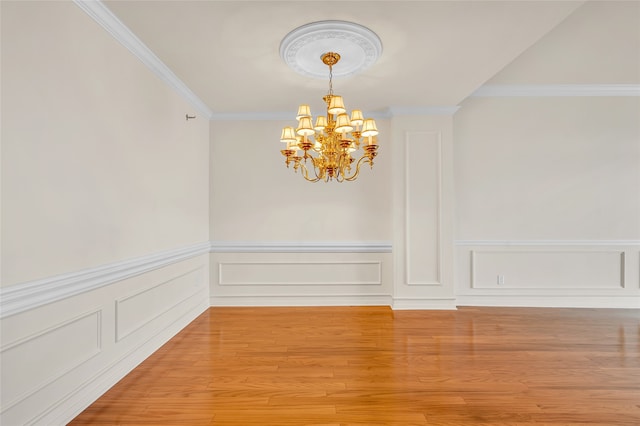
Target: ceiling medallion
point(359, 47)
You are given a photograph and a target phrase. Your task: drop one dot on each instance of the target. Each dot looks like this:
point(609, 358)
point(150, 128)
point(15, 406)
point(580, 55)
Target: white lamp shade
point(369, 127)
point(288, 135)
point(303, 111)
point(321, 123)
point(304, 127)
point(336, 105)
point(356, 117)
point(343, 124)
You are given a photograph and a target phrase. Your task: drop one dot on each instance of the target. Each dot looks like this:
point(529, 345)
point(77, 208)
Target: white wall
point(548, 198)
point(254, 197)
point(104, 212)
point(548, 168)
point(279, 240)
point(97, 154)
point(548, 185)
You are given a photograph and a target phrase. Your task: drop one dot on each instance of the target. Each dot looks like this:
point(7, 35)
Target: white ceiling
point(435, 53)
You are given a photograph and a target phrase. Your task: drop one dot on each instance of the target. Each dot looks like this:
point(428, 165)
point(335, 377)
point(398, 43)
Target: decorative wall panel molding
point(51, 373)
point(300, 247)
point(46, 359)
point(423, 201)
point(103, 16)
point(135, 311)
point(300, 279)
point(29, 295)
point(557, 90)
point(548, 273)
point(300, 273)
point(569, 269)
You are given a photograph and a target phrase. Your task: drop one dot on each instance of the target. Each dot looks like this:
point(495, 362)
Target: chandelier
point(329, 146)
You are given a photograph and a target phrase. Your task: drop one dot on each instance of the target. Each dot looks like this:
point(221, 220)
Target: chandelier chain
point(330, 80)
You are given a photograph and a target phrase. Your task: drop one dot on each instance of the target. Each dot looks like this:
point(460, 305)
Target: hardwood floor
point(375, 366)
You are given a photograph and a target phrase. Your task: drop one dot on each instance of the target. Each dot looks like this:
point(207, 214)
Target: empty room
point(320, 213)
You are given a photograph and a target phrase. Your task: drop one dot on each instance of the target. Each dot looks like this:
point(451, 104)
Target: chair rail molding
point(301, 247)
point(32, 294)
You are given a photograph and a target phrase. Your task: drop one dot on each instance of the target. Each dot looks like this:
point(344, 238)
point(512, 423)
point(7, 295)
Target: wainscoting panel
point(423, 159)
point(45, 359)
point(135, 311)
point(600, 274)
point(423, 211)
point(304, 273)
point(58, 357)
point(270, 278)
point(547, 270)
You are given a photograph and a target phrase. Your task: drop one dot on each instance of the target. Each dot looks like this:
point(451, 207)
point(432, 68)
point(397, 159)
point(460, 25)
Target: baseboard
point(551, 301)
point(414, 303)
point(303, 300)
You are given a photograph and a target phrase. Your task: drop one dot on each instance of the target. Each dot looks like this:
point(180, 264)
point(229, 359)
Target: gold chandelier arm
point(355, 174)
point(305, 173)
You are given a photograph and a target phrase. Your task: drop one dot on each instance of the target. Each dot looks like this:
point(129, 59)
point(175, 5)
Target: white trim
point(422, 303)
point(407, 211)
point(560, 90)
point(32, 294)
point(551, 301)
point(389, 113)
point(255, 116)
point(300, 247)
point(110, 22)
point(293, 300)
point(545, 243)
point(395, 111)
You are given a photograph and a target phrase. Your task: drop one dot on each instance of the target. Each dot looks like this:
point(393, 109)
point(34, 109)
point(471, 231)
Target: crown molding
point(300, 247)
point(250, 116)
point(556, 90)
point(396, 111)
point(290, 115)
point(32, 294)
point(103, 16)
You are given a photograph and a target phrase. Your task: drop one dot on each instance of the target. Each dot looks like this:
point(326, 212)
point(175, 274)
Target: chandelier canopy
point(328, 146)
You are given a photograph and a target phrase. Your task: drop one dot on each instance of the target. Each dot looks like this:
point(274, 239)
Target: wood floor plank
point(374, 366)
